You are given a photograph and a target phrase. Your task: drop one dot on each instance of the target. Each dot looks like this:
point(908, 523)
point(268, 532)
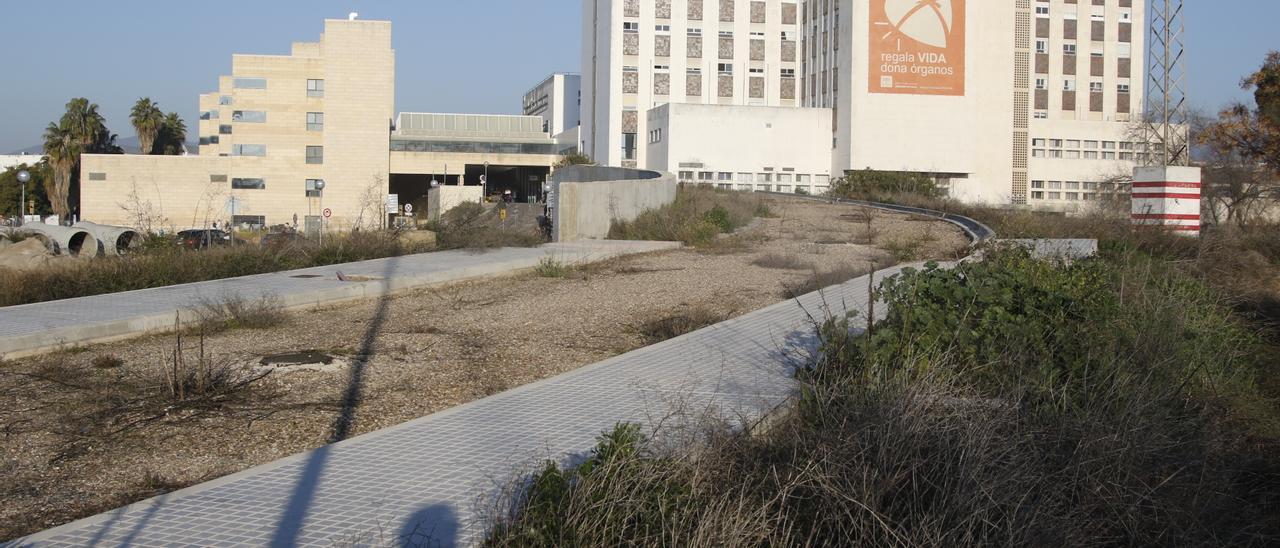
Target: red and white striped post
point(1167, 196)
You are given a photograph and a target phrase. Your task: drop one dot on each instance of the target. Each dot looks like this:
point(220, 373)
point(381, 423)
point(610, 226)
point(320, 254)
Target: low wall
point(443, 198)
point(586, 200)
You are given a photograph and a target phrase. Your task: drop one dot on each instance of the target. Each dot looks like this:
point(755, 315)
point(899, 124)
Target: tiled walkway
point(426, 481)
point(31, 328)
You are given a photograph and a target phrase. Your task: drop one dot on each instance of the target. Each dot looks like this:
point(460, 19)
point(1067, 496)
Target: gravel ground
point(84, 433)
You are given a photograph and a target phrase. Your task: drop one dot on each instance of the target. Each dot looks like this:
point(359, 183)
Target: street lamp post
point(484, 187)
point(320, 190)
point(23, 177)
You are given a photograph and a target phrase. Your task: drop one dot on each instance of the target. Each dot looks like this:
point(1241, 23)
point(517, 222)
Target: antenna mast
point(1167, 117)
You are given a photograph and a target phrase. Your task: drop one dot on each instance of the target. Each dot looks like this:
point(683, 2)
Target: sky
point(476, 56)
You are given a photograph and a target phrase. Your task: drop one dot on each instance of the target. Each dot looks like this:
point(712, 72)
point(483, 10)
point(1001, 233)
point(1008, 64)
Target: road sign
point(502, 214)
point(408, 209)
point(484, 179)
point(328, 213)
point(393, 203)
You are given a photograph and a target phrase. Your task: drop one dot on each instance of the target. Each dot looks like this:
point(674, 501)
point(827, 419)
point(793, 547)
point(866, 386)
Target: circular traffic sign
point(328, 213)
point(408, 208)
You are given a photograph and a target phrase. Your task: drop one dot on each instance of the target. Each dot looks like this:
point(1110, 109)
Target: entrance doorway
point(524, 182)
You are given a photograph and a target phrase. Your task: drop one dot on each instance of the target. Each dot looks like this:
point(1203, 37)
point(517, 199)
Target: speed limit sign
point(328, 213)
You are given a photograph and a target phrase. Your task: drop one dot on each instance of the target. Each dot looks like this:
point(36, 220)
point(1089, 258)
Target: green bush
point(869, 184)
point(696, 217)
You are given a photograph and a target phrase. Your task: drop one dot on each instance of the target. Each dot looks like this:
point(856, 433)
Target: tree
point(875, 184)
point(81, 130)
point(147, 120)
point(62, 151)
point(11, 189)
point(172, 136)
point(1243, 147)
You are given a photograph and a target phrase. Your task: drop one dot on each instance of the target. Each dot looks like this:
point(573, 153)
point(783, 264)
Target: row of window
point(1069, 84)
point(314, 154)
point(797, 189)
point(315, 87)
point(740, 177)
point(258, 183)
point(315, 120)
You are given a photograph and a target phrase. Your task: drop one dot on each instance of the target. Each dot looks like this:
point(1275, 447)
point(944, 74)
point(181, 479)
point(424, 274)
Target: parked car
point(202, 237)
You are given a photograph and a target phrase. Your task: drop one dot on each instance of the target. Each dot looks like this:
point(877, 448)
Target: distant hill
point(129, 144)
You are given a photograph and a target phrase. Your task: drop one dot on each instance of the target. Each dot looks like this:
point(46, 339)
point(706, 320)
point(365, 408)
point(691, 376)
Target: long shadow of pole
point(290, 525)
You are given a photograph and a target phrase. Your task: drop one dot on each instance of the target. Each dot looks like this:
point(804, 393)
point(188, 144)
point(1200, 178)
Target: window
point(726, 34)
point(755, 70)
point(217, 178)
point(1055, 185)
point(1037, 184)
point(802, 178)
point(1075, 196)
point(1041, 115)
point(312, 191)
point(1091, 144)
point(248, 150)
point(257, 221)
point(655, 135)
point(1042, 10)
point(1069, 49)
point(1068, 85)
point(249, 116)
point(725, 68)
point(705, 175)
point(764, 177)
point(1095, 87)
point(788, 73)
point(315, 121)
point(662, 67)
point(1042, 83)
point(662, 28)
point(1072, 143)
point(1122, 88)
point(1042, 46)
point(694, 32)
point(628, 146)
point(249, 83)
point(1055, 143)
point(1073, 185)
point(1108, 145)
point(238, 183)
point(1073, 155)
point(1091, 155)
point(315, 155)
point(724, 176)
point(224, 100)
point(224, 129)
point(744, 178)
point(686, 175)
point(1108, 155)
point(209, 115)
point(1055, 195)
point(315, 88)
point(1037, 143)
point(630, 26)
point(1037, 195)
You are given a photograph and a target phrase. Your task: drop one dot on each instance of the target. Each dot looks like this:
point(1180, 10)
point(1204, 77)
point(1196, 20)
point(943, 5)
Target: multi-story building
point(280, 125)
point(1020, 101)
point(639, 54)
point(557, 100)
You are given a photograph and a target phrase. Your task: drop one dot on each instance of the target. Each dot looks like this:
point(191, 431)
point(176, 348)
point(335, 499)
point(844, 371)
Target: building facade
point(984, 96)
point(279, 125)
point(558, 100)
point(779, 149)
point(640, 54)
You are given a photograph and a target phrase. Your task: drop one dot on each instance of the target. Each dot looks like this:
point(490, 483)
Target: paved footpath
point(33, 328)
point(426, 482)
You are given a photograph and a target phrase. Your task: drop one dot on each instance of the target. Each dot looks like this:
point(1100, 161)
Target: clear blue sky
point(451, 55)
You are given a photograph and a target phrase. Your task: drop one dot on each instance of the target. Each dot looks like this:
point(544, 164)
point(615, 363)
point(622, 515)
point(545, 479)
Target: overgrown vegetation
point(697, 217)
point(672, 324)
point(1013, 401)
point(163, 263)
point(238, 312)
point(549, 267)
point(471, 225)
point(874, 185)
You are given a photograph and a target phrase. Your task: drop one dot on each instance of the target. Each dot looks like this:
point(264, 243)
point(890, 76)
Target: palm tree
point(85, 123)
point(147, 119)
point(173, 135)
point(62, 150)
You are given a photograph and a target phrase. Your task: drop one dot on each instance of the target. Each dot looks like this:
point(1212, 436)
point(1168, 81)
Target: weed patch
point(696, 217)
point(782, 261)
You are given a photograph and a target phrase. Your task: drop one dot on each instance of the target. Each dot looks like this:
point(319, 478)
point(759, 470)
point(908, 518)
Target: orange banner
point(917, 47)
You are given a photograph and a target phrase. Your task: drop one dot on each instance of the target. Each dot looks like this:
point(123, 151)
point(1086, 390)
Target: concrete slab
point(425, 481)
point(41, 327)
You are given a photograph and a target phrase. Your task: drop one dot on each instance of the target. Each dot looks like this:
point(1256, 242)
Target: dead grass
point(782, 261)
point(674, 323)
point(239, 312)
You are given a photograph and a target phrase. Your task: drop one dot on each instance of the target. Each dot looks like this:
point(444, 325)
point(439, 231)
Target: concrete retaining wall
point(586, 200)
point(443, 198)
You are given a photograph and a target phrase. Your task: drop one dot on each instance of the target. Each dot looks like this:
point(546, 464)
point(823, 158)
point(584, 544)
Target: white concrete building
point(638, 55)
point(985, 96)
point(13, 160)
point(557, 100)
point(783, 149)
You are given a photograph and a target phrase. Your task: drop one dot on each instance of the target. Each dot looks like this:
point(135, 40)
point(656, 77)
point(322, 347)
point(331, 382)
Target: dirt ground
point(94, 428)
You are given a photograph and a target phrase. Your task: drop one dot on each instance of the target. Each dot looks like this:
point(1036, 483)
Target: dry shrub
point(824, 279)
point(106, 361)
point(238, 312)
point(782, 261)
point(672, 324)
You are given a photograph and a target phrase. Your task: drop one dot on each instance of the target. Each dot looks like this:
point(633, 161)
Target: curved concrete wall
point(586, 200)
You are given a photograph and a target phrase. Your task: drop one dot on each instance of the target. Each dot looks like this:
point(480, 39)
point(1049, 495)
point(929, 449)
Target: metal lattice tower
point(1166, 127)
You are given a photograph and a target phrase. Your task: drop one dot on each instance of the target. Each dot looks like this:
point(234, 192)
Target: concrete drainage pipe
point(75, 242)
point(115, 240)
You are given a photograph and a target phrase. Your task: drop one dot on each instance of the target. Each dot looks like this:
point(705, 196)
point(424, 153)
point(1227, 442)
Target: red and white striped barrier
point(1167, 196)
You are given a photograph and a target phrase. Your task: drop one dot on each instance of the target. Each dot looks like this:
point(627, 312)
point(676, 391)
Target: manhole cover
point(307, 276)
point(310, 357)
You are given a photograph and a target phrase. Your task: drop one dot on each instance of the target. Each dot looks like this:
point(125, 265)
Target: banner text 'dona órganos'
point(917, 47)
